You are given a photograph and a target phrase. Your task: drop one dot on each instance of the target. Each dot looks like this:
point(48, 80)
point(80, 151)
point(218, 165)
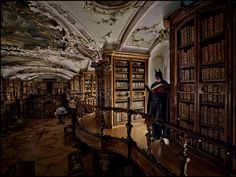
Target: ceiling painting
point(59, 38)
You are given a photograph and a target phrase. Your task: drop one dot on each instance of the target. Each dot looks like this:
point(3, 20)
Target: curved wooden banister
point(121, 146)
point(230, 147)
point(99, 141)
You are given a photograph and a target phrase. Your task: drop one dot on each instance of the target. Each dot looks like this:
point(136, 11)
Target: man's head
point(158, 75)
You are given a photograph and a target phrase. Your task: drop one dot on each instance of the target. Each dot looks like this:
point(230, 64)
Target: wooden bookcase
point(87, 83)
point(13, 89)
point(121, 78)
point(75, 86)
point(201, 80)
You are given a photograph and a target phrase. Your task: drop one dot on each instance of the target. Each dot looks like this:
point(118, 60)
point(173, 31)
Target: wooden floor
point(167, 155)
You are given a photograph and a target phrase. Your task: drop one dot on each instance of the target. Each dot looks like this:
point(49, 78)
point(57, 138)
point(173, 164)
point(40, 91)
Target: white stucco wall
point(159, 58)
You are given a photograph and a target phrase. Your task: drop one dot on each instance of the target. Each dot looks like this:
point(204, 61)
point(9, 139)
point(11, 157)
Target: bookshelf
point(74, 86)
point(13, 89)
point(201, 93)
point(121, 77)
point(3, 90)
point(87, 84)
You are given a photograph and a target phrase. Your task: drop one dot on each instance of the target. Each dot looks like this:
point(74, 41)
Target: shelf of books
point(213, 80)
point(186, 59)
point(13, 89)
point(122, 88)
point(201, 93)
point(87, 81)
point(124, 78)
point(138, 91)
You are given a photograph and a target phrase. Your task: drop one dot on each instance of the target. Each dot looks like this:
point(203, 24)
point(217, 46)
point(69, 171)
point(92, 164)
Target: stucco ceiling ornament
point(63, 12)
point(146, 30)
point(147, 35)
point(163, 35)
point(39, 53)
point(112, 9)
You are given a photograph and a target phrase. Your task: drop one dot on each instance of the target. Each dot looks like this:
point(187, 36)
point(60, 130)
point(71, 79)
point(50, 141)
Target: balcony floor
point(168, 155)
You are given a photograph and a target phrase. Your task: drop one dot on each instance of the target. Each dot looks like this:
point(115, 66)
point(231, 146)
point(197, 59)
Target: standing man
point(158, 106)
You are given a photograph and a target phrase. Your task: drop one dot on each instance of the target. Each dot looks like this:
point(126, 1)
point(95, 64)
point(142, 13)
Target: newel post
point(149, 135)
point(184, 158)
point(129, 138)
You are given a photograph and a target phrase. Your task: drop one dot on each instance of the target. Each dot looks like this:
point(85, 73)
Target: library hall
point(118, 88)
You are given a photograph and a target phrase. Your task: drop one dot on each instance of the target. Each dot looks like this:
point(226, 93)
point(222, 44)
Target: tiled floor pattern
point(42, 141)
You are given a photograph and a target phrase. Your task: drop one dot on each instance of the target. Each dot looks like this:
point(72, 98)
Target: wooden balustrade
point(184, 158)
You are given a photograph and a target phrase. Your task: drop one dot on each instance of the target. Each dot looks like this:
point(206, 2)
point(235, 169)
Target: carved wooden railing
point(184, 158)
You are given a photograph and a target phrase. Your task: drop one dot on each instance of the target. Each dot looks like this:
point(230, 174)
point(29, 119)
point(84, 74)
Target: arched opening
point(159, 58)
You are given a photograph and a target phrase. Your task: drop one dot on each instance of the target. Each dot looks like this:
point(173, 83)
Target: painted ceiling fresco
point(59, 38)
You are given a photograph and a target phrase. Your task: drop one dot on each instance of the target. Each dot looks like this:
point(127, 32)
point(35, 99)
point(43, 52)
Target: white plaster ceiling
point(58, 38)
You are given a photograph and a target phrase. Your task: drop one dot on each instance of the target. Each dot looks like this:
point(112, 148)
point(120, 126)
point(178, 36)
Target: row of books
point(122, 84)
point(32, 88)
point(185, 125)
point(125, 76)
point(138, 95)
point(210, 98)
point(186, 96)
point(213, 53)
point(87, 86)
point(186, 87)
point(122, 94)
point(138, 76)
point(138, 85)
point(13, 95)
point(122, 99)
point(186, 75)
point(138, 104)
point(214, 73)
point(212, 25)
point(121, 76)
point(212, 116)
point(122, 105)
point(186, 111)
point(212, 149)
point(75, 85)
point(120, 117)
point(138, 64)
point(212, 88)
point(186, 58)
point(121, 69)
point(186, 36)
point(87, 82)
point(141, 70)
point(12, 85)
point(121, 62)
